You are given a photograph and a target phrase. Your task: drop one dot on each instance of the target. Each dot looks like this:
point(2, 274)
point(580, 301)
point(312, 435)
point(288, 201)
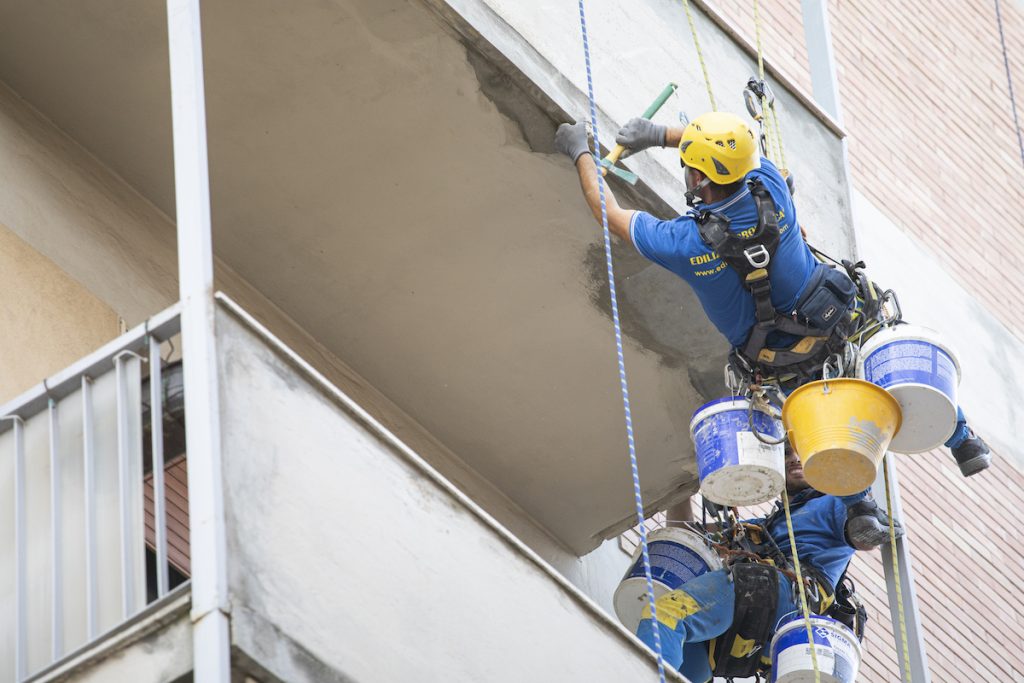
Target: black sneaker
point(972, 455)
point(867, 526)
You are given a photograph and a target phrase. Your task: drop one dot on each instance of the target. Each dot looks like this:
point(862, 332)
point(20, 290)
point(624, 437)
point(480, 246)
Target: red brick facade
point(932, 142)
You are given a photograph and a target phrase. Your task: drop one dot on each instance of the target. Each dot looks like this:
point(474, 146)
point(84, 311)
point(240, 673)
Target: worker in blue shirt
point(828, 530)
point(728, 181)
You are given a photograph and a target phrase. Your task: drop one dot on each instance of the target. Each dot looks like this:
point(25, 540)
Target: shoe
point(867, 526)
point(972, 455)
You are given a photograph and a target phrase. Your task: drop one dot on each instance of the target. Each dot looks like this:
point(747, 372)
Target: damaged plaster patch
point(534, 125)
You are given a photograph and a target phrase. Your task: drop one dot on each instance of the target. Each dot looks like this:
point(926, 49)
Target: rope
point(1009, 81)
point(904, 640)
point(637, 495)
point(770, 116)
point(700, 55)
point(800, 586)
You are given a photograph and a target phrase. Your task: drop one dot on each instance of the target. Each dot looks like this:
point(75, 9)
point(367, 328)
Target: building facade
point(415, 464)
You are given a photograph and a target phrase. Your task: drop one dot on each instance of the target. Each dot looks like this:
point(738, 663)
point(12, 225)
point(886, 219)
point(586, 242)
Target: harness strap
point(736, 653)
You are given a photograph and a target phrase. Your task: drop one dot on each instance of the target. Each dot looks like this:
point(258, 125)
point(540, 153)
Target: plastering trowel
point(608, 163)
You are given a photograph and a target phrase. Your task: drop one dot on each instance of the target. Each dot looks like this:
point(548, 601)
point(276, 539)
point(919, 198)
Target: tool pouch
point(737, 653)
point(828, 297)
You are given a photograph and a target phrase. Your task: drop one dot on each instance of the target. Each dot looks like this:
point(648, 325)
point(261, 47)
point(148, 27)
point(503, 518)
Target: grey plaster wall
point(351, 561)
point(115, 247)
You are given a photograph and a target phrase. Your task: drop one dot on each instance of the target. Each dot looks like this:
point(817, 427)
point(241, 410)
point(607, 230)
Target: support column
point(915, 628)
point(211, 642)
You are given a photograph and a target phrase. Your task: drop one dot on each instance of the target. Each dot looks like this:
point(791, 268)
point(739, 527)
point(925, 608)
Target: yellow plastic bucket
point(841, 429)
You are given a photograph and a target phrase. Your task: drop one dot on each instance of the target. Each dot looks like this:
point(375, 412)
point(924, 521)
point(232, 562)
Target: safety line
point(700, 54)
point(637, 495)
point(802, 590)
point(1009, 81)
point(768, 113)
point(905, 641)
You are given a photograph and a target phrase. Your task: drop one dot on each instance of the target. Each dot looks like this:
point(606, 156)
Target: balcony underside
point(395, 193)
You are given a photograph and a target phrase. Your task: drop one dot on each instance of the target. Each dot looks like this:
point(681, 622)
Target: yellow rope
point(800, 585)
point(773, 131)
point(896, 571)
point(700, 55)
point(778, 136)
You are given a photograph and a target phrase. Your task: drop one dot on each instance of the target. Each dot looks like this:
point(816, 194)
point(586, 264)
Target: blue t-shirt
point(819, 527)
point(677, 246)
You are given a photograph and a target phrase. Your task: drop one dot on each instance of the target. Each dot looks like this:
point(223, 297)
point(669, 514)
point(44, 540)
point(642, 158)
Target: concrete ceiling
point(367, 179)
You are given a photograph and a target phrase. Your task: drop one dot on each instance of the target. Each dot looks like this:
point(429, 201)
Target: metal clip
point(757, 255)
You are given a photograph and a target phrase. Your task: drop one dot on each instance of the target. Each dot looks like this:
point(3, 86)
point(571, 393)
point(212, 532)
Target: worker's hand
point(571, 140)
point(639, 134)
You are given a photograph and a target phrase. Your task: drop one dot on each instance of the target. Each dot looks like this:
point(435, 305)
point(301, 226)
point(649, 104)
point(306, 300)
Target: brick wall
point(932, 141)
point(932, 144)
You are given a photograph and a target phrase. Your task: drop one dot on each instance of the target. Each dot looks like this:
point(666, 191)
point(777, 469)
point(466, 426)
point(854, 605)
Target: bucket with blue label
point(837, 649)
point(736, 467)
point(677, 556)
point(922, 372)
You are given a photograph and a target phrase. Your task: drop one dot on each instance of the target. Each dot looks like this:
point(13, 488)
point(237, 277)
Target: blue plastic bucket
point(677, 556)
point(734, 466)
point(836, 647)
point(922, 374)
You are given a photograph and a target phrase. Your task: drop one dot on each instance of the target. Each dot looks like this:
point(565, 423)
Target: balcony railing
point(73, 545)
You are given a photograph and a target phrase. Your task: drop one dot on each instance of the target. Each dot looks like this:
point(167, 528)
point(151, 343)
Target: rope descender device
point(758, 96)
point(608, 163)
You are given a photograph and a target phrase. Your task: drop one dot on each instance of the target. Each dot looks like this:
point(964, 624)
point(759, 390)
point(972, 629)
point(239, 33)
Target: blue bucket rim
point(743, 400)
point(908, 332)
point(796, 623)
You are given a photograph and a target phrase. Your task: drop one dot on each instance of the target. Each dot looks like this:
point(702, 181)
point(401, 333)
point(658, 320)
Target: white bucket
point(923, 374)
point(836, 646)
point(734, 466)
point(677, 556)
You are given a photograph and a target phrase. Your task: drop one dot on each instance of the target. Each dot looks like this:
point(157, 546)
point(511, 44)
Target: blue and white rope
point(1009, 80)
point(622, 363)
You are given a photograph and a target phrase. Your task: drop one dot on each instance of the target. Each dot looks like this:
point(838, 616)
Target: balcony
point(330, 519)
point(383, 185)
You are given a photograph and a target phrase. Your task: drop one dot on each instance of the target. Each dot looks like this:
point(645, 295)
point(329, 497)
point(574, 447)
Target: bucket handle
point(770, 441)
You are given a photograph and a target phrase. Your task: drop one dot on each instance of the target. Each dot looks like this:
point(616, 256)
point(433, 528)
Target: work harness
point(835, 306)
point(755, 563)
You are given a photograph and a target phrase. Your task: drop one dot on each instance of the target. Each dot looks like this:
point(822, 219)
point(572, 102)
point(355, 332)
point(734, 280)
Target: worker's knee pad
point(671, 607)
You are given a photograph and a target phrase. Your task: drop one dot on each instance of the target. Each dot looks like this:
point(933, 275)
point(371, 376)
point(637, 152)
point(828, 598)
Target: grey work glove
point(639, 134)
point(571, 140)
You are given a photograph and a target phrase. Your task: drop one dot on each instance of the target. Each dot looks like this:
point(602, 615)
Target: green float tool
point(608, 163)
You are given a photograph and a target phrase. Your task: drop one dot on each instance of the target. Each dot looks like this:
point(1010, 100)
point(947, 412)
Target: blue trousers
point(688, 618)
point(961, 432)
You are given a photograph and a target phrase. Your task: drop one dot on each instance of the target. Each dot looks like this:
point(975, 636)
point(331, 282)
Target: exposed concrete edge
point(551, 91)
point(155, 617)
point(355, 411)
point(470, 18)
point(805, 98)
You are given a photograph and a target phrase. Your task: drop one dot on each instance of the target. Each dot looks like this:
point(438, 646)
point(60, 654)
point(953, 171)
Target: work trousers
point(701, 610)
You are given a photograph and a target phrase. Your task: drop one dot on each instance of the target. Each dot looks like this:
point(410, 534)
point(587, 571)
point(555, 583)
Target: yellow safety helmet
point(721, 146)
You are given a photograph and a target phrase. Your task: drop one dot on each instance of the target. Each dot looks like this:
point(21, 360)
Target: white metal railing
point(78, 548)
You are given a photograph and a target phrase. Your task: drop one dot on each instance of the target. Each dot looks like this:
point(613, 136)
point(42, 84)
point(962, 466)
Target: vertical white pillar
point(91, 534)
point(818, 37)
point(20, 663)
point(825, 84)
point(915, 629)
point(211, 644)
point(128, 371)
point(56, 537)
point(156, 427)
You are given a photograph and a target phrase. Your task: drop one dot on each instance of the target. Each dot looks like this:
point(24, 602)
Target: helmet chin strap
point(691, 195)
